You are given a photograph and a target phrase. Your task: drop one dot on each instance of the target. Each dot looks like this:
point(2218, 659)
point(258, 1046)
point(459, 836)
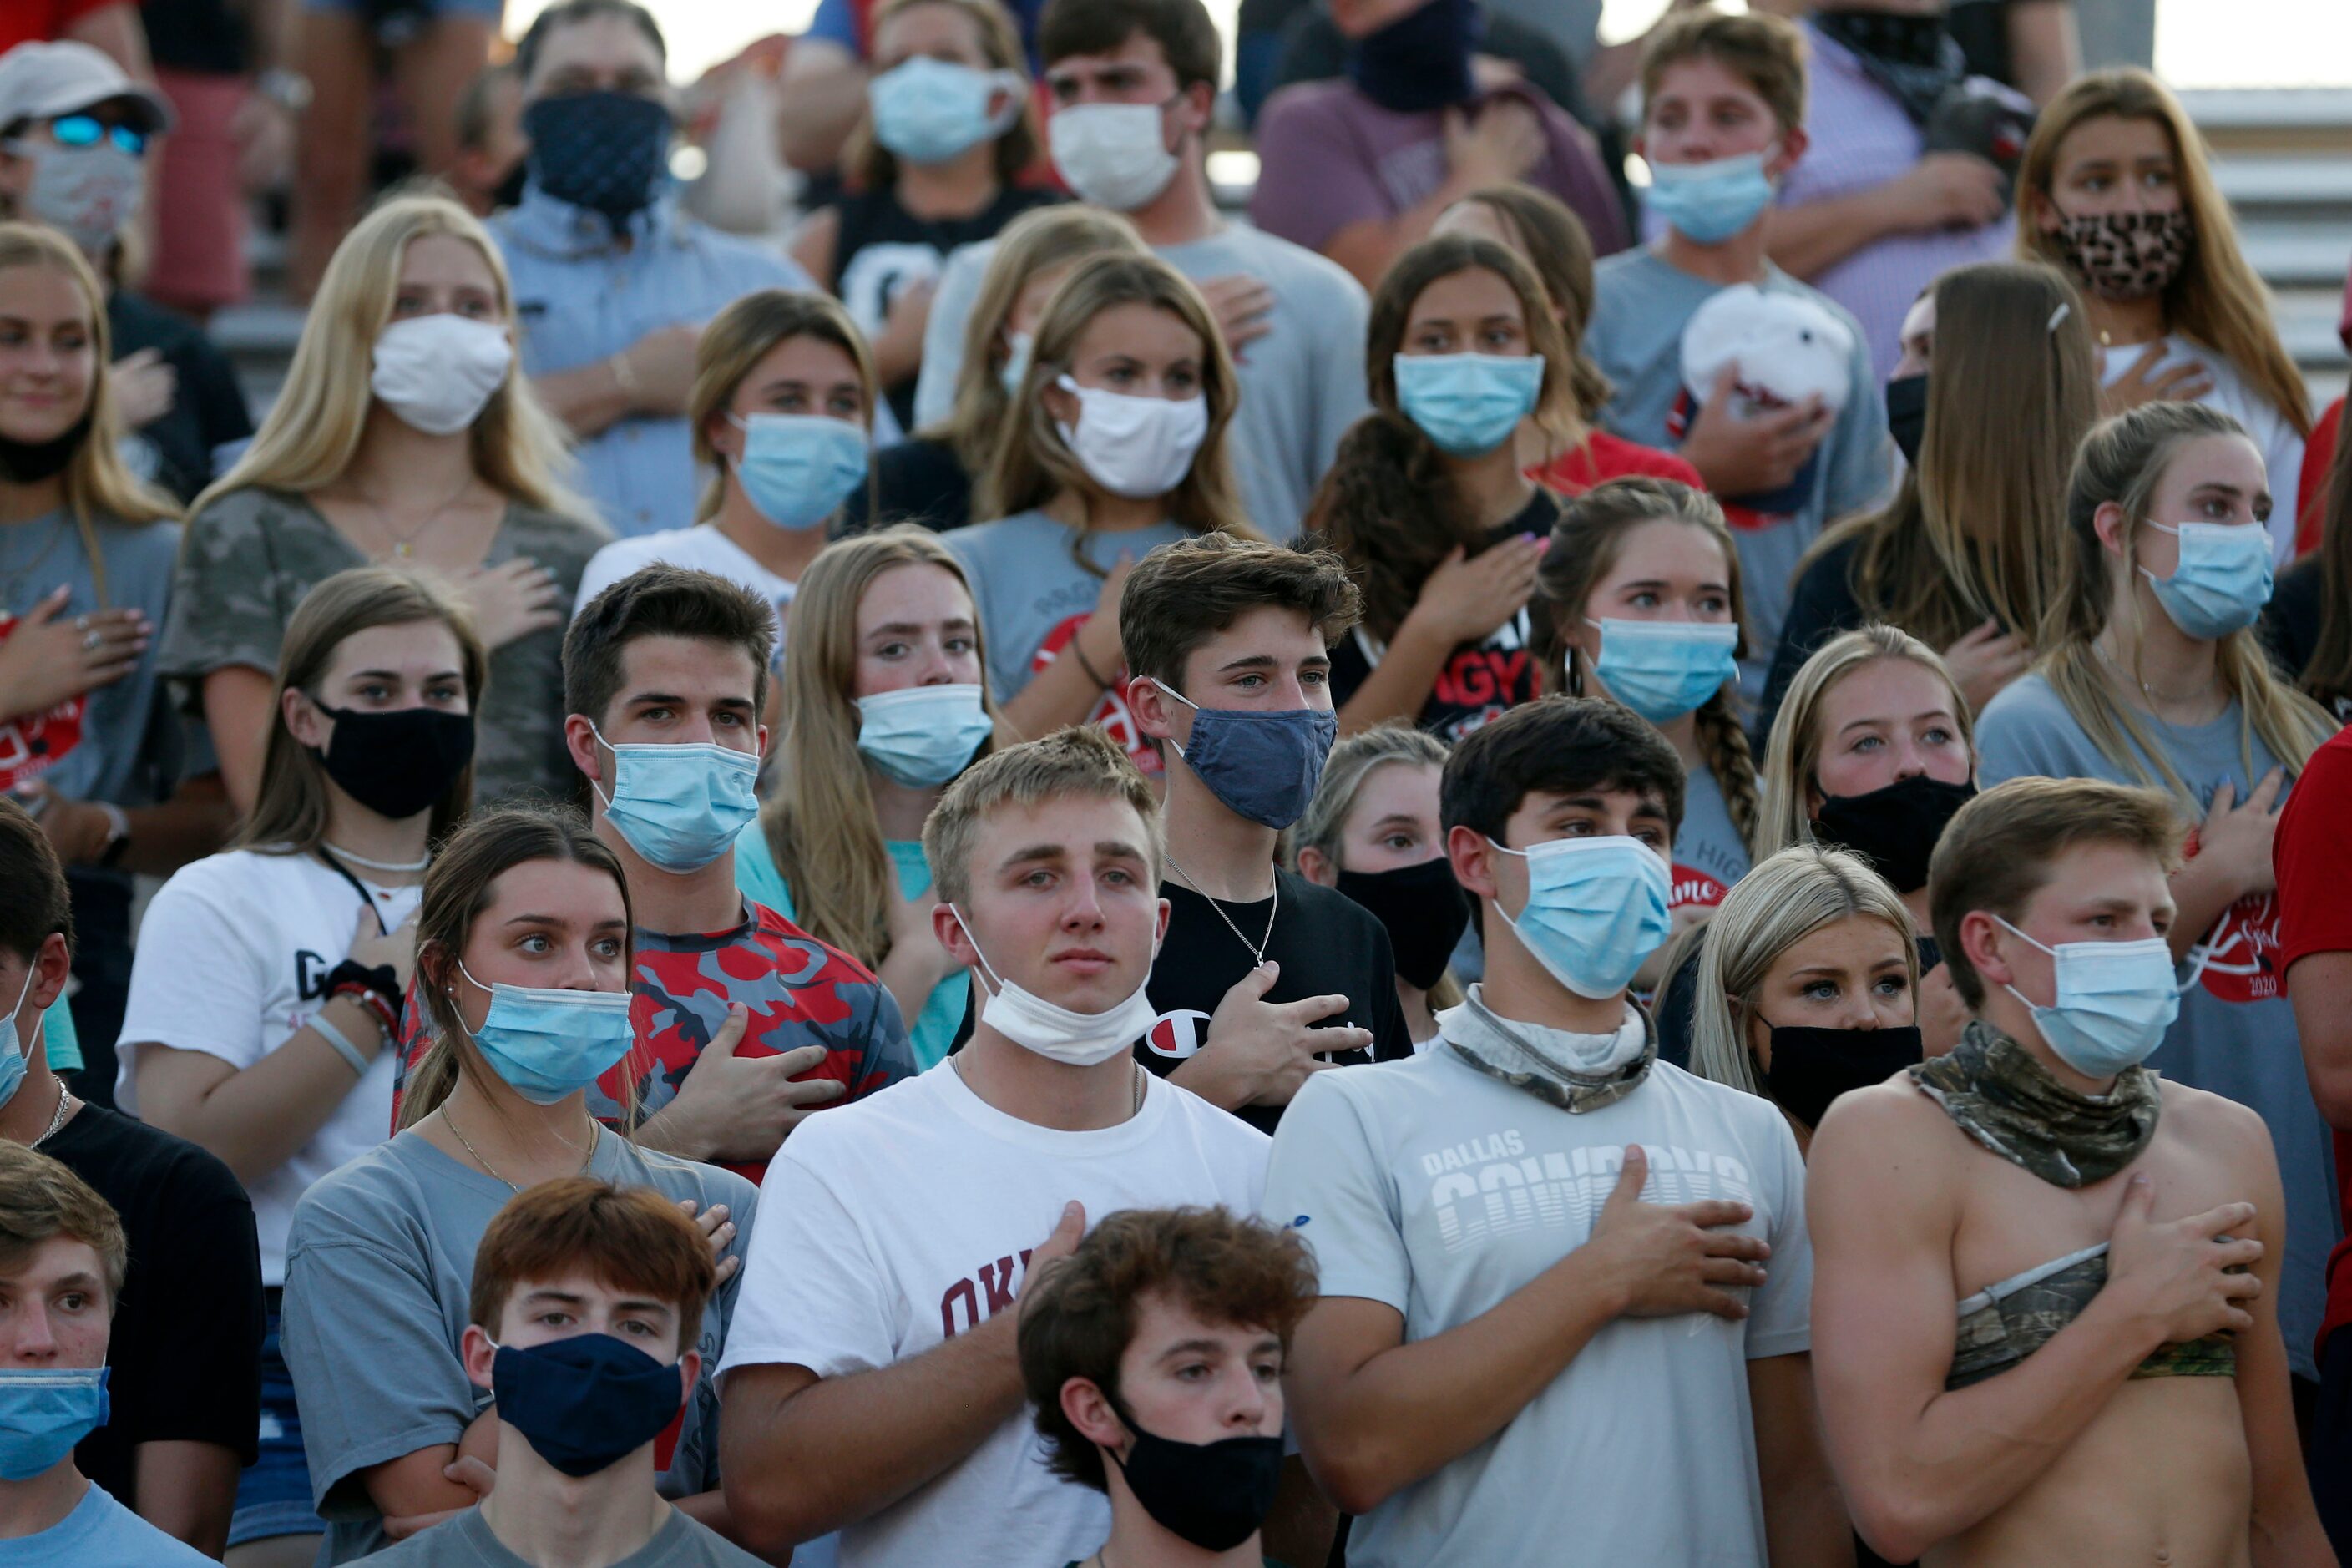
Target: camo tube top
point(2002, 1324)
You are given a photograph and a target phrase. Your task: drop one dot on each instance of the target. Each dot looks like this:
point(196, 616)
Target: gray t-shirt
point(1434, 1189)
point(1709, 853)
point(120, 743)
point(1033, 597)
point(2236, 1035)
point(379, 1267)
point(253, 554)
point(1302, 383)
point(1641, 305)
point(466, 1541)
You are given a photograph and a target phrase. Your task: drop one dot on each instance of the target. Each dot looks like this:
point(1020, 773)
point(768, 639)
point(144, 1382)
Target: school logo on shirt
point(1693, 886)
point(33, 743)
point(981, 1295)
point(1111, 715)
point(1176, 1035)
point(2238, 955)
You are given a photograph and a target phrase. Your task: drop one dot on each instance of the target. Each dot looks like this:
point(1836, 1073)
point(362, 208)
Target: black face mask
point(1214, 1495)
point(399, 762)
point(606, 152)
point(30, 462)
point(1894, 828)
point(1811, 1068)
point(1424, 910)
point(1906, 413)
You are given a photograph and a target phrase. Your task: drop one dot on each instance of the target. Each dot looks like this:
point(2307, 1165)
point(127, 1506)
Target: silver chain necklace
point(1258, 949)
point(56, 1117)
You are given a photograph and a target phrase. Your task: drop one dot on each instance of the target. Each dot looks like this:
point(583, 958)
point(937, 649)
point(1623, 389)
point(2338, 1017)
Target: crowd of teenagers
point(1501, 869)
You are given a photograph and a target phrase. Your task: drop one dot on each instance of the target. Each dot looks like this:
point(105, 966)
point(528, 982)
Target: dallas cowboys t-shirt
point(1434, 1189)
point(2236, 1035)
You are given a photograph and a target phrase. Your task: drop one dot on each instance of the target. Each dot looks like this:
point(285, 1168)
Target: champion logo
point(1176, 1035)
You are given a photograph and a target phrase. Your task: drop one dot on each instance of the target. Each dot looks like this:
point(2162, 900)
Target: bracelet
point(381, 1010)
point(624, 376)
point(1088, 665)
point(343, 1047)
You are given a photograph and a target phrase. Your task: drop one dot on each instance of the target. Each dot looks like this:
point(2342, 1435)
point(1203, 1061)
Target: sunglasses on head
point(86, 130)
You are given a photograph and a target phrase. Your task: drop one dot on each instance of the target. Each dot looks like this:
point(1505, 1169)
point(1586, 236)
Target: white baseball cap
point(42, 81)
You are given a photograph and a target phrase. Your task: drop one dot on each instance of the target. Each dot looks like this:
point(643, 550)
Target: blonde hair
point(819, 821)
point(1041, 240)
point(2217, 299)
point(1584, 547)
point(289, 814)
point(1017, 147)
point(313, 430)
point(1032, 463)
point(732, 346)
point(1352, 762)
point(1792, 753)
point(1077, 761)
point(1973, 534)
point(1783, 900)
point(2123, 461)
point(97, 484)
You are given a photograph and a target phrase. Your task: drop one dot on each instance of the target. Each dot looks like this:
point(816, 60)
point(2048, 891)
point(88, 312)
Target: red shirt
point(2311, 855)
point(799, 992)
point(39, 21)
point(2319, 458)
point(1604, 456)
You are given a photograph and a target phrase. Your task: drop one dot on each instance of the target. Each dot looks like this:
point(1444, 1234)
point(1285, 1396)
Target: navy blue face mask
point(586, 1403)
point(603, 151)
point(1263, 766)
point(1420, 61)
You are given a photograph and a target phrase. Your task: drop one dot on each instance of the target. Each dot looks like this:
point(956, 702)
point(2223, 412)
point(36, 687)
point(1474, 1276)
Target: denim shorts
point(273, 1493)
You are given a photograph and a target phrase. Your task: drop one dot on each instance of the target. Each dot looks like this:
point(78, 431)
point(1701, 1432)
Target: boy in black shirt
point(1229, 642)
point(186, 1344)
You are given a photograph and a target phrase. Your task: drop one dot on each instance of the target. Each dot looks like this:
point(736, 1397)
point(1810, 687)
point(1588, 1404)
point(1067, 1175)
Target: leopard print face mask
point(2127, 256)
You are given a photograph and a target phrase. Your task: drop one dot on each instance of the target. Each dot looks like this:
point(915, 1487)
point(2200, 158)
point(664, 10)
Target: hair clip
point(2064, 310)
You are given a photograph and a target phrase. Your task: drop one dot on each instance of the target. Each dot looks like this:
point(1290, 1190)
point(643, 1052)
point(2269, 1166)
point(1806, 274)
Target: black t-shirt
point(1482, 680)
point(208, 37)
point(208, 408)
point(186, 1345)
point(873, 221)
point(1327, 944)
point(921, 480)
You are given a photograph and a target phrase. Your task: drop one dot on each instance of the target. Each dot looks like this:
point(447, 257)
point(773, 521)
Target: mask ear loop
point(996, 979)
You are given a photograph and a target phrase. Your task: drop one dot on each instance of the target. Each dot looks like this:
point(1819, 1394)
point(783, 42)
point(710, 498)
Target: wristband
point(1088, 665)
point(344, 1048)
point(624, 376)
point(387, 1016)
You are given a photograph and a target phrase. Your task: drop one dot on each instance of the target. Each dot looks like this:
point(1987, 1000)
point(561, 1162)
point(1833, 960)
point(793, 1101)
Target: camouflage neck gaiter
point(1997, 1092)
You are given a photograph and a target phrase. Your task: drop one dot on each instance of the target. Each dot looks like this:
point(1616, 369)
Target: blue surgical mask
point(1469, 403)
point(799, 467)
point(1663, 669)
point(1264, 765)
point(1596, 907)
point(924, 735)
point(681, 807)
point(12, 1049)
point(44, 1412)
point(2222, 580)
point(928, 111)
point(1711, 202)
point(586, 1403)
point(1019, 347)
point(547, 1044)
point(2113, 1002)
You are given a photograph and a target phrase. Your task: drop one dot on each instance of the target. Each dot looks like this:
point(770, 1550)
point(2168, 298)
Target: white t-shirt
point(889, 1226)
point(702, 548)
point(2234, 396)
point(1430, 1186)
point(232, 961)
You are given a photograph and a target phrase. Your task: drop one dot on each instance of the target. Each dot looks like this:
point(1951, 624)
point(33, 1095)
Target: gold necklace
point(595, 1131)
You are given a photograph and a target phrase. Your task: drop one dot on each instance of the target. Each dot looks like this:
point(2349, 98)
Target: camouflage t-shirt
point(249, 559)
point(799, 992)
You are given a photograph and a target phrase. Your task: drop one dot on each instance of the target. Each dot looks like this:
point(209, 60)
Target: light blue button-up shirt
point(585, 293)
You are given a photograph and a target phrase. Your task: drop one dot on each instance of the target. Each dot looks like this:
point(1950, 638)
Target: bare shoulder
point(2220, 1129)
point(1888, 1143)
point(1885, 1117)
